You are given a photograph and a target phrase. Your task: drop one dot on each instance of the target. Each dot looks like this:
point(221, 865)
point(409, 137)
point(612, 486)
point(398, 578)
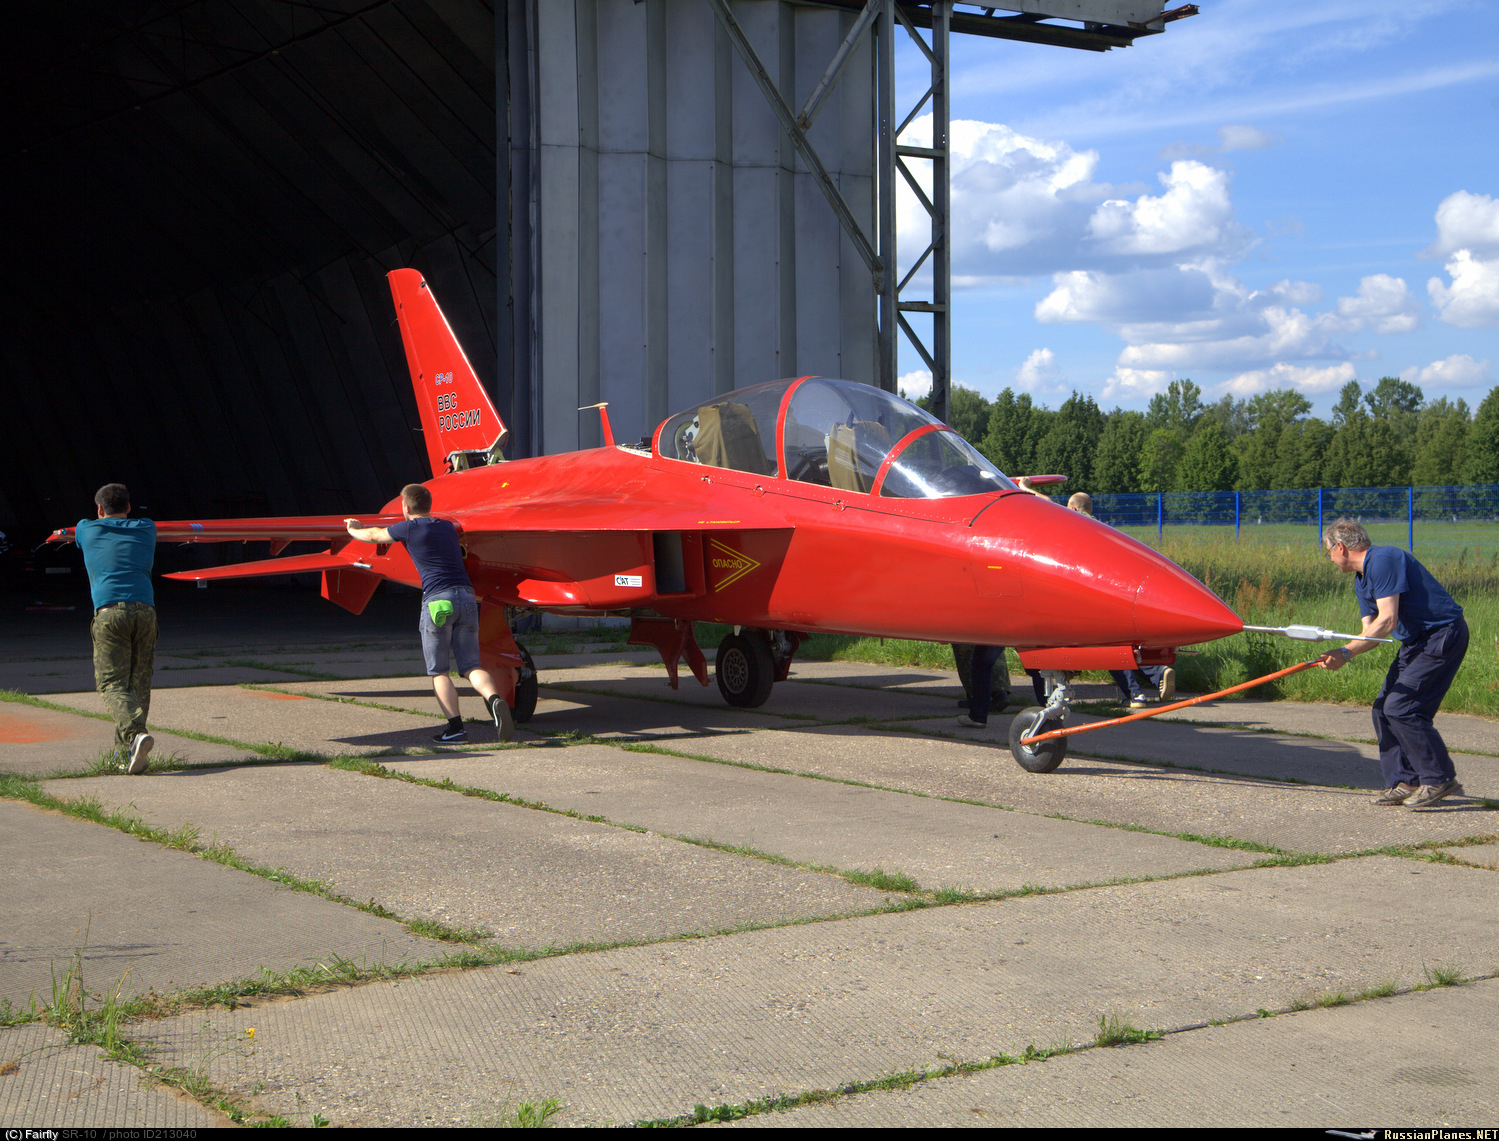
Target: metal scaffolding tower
point(1107, 24)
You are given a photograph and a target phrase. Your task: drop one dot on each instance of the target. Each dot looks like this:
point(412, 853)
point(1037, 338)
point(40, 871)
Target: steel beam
point(936, 353)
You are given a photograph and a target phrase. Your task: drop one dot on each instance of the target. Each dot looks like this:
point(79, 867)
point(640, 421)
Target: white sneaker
point(140, 749)
point(1168, 684)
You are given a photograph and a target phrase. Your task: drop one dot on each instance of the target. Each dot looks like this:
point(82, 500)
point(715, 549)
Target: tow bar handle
point(1068, 732)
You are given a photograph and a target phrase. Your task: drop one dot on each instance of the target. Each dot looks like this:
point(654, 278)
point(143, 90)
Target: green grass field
point(1437, 540)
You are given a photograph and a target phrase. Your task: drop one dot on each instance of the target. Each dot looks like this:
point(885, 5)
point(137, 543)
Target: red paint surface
point(17, 729)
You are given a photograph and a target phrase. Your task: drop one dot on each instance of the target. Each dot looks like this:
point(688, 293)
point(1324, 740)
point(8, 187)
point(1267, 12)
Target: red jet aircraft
point(786, 509)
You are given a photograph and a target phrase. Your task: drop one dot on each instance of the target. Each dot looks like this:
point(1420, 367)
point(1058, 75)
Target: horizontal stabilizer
point(293, 528)
point(295, 564)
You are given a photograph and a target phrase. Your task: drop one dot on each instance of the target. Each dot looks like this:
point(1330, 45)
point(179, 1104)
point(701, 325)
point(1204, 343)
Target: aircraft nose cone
point(1173, 608)
point(1081, 582)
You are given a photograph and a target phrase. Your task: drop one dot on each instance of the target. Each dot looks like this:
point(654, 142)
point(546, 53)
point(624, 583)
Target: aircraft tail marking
point(457, 414)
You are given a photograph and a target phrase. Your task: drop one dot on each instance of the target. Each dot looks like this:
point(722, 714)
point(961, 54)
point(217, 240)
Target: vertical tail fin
point(457, 414)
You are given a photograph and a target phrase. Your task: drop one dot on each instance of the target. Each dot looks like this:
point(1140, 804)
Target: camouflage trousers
point(124, 650)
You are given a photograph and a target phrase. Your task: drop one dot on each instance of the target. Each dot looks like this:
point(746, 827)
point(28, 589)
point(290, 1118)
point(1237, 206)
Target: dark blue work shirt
point(1424, 604)
point(433, 547)
point(118, 554)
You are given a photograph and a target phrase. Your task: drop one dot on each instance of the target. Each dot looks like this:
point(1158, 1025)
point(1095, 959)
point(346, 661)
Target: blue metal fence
point(1441, 519)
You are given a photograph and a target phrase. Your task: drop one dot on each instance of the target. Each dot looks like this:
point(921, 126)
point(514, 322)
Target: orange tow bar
point(1056, 733)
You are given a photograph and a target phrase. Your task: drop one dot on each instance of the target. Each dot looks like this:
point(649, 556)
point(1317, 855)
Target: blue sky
point(1265, 196)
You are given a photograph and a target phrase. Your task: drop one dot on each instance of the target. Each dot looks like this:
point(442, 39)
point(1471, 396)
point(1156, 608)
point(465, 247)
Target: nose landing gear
point(1043, 756)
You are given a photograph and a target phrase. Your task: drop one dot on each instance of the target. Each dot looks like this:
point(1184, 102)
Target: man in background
point(1396, 593)
point(449, 622)
point(1132, 683)
point(118, 553)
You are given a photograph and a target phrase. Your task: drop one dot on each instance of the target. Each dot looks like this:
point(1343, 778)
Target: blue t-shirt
point(433, 547)
point(118, 554)
point(1424, 605)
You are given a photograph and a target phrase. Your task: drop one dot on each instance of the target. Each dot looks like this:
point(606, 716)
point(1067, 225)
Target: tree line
point(1389, 436)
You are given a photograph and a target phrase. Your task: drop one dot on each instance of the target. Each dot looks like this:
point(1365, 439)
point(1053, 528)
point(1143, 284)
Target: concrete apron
point(1230, 747)
point(695, 1038)
point(1303, 818)
point(142, 917)
point(530, 879)
point(1414, 1061)
point(648, 1032)
point(58, 1086)
point(938, 843)
point(38, 742)
point(282, 717)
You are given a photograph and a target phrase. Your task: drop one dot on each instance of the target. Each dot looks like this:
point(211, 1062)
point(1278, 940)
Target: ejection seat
point(727, 436)
point(850, 447)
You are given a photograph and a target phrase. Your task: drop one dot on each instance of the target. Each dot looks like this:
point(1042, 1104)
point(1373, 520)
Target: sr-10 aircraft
point(785, 509)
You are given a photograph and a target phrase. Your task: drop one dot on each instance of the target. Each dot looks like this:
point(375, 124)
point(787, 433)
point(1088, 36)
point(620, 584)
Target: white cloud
point(1135, 384)
point(1213, 320)
point(1194, 216)
point(1040, 373)
point(1237, 137)
point(1472, 300)
point(1466, 222)
point(1023, 206)
point(914, 385)
point(1459, 371)
point(1231, 137)
point(1281, 333)
point(1087, 295)
point(1384, 302)
point(1303, 378)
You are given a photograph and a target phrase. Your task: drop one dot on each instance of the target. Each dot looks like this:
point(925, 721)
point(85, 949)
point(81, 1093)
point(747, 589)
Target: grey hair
point(1349, 533)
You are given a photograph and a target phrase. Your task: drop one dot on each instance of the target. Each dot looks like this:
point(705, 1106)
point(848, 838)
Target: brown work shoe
point(1431, 793)
point(1394, 797)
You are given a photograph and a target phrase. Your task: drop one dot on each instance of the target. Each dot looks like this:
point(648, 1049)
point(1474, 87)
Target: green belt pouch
point(441, 610)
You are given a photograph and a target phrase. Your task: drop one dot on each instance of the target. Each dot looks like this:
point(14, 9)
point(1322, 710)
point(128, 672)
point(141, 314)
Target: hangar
point(203, 197)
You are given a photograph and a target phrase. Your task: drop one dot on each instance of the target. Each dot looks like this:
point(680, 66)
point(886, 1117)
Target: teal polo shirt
point(118, 554)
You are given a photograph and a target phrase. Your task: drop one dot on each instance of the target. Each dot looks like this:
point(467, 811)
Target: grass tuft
point(1444, 974)
point(882, 880)
point(1118, 1030)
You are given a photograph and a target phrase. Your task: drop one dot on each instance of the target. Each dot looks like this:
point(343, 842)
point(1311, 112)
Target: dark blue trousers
point(1410, 748)
point(1131, 686)
point(984, 658)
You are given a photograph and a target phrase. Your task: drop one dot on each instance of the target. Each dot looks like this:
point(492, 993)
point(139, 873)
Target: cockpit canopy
point(836, 433)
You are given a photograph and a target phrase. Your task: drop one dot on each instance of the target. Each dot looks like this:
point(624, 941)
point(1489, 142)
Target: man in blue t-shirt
point(118, 553)
point(449, 622)
point(1396, 593)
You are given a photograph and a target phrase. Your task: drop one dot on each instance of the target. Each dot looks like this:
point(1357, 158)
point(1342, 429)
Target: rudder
point(457, 414)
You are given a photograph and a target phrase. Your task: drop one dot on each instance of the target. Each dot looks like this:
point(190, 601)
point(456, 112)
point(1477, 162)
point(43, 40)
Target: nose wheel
point(1042, 756)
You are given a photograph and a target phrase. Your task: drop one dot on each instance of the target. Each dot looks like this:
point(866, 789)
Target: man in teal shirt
point(118, 552)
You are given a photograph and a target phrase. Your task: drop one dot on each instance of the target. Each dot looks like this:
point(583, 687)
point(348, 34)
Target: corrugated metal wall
point(681, 246)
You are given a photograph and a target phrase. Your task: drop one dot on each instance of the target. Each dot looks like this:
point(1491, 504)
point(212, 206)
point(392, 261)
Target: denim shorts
point(458, 636)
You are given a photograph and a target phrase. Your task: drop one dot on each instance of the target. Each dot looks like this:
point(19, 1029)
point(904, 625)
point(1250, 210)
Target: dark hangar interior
point(202, 200)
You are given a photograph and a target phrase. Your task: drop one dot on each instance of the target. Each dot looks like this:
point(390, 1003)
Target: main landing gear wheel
point(745, 669)
point(526, 689)
point(1041, 757)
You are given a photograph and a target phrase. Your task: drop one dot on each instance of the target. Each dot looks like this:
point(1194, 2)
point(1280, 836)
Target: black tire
point(1039, 758)
point(526, 689)
point(745, 669)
